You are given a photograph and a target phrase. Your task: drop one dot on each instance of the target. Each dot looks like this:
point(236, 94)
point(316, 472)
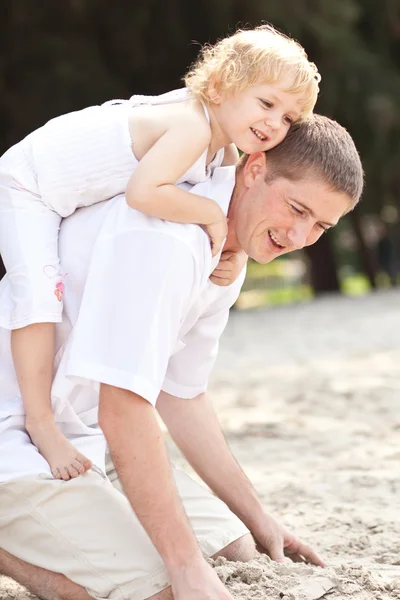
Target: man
point(147, 331)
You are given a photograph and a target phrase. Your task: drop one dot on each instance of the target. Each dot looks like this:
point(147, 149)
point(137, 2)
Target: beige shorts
point(86, 529)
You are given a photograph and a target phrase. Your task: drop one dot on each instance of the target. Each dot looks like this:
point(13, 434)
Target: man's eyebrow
point(312, 213)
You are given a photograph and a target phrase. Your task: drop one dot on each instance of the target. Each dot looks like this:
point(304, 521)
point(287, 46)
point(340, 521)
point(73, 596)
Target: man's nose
point(299, 234)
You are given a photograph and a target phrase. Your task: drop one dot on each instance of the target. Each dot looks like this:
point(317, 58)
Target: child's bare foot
point(64, 459)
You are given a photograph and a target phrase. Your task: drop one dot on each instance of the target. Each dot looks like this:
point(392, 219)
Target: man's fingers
point(311, 557)
point(274, 549)
point(295, 557)
point(278, 557)
point(304, 553)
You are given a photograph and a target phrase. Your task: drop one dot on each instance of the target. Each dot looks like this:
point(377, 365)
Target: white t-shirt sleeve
point(138, 292)
point(189, 369)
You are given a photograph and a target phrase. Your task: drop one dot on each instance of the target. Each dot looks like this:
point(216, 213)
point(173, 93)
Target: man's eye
point(298, 211)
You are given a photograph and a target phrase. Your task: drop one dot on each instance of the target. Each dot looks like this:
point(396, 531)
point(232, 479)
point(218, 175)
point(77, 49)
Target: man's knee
point(242, 549)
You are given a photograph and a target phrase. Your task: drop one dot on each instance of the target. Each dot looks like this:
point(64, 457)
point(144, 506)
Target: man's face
point(272, 219)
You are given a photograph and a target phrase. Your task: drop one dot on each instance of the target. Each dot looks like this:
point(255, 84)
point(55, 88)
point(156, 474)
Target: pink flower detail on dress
point(59, 290)
point(51, 271)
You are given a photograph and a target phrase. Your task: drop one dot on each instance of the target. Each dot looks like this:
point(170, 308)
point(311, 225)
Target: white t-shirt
point(146, 318)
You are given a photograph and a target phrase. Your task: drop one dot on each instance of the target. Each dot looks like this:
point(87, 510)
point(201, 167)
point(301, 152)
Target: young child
point(244, 92)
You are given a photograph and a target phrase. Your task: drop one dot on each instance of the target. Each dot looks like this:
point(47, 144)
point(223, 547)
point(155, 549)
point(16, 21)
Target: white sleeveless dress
point(74, 160)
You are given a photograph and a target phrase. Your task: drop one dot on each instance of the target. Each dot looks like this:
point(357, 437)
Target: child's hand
point(217, 232)
point(229, 267)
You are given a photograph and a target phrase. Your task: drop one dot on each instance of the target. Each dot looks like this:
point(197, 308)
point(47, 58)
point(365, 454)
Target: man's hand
point(229, 267)
point(197, 581)
point(278, 542)
point(217, 232)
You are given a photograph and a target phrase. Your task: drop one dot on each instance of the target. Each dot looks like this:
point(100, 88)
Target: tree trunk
point(323, 270)
point(367, 258)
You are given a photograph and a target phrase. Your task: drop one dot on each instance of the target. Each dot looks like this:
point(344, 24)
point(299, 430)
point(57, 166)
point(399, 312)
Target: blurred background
point(63, 55)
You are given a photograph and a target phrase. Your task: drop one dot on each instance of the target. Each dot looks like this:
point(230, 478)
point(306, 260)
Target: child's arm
point(231, 263)
point(152, 190)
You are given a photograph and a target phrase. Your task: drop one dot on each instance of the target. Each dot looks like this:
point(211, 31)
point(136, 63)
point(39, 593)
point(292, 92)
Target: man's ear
point(256, 165)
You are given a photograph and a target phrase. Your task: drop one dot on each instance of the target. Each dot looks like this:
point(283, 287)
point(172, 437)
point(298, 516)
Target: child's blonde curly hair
point(251, 57)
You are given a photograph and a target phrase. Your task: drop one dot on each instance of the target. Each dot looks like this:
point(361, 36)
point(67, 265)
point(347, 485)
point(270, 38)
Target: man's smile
point(274, 240)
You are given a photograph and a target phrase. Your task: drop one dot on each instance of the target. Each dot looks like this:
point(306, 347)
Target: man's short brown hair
point(318, 147)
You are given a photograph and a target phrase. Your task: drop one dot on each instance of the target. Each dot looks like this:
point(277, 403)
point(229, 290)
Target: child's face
point(259, 117)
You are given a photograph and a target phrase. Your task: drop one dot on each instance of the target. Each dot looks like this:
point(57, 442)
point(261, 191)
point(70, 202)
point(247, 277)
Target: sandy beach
point(308, 396)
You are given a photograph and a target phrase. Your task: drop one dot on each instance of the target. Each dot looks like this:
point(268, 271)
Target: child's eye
point(324, 229)
point(288, 120)
point(266, 103)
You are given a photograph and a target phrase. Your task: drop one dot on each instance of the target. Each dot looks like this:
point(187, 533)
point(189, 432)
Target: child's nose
point(273, 121)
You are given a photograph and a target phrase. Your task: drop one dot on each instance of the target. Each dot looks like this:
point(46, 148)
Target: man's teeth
point(258, 134)
point(273, 238)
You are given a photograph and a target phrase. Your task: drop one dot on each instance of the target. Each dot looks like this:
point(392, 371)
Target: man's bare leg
point(45, 584)
point(241, 550)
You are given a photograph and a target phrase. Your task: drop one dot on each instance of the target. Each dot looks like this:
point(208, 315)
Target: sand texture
point(309, 398)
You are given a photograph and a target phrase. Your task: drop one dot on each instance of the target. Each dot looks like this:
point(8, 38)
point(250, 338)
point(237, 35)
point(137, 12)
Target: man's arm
point(203, 444)
point(195, 428)
point(137, 447)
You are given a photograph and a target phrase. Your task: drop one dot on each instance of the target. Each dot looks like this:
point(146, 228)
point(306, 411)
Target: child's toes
point(79, 468)
point(56, 473)
point(73, 471)
point(85, 462)
point(65, 474)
